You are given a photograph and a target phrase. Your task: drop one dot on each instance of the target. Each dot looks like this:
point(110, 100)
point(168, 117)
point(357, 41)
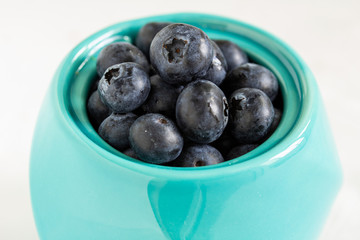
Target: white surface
point(36, 35)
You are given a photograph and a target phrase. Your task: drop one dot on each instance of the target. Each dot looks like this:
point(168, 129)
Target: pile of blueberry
point(177, 98)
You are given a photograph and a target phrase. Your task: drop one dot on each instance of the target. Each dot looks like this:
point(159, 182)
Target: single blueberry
point(197, 156)
point(240, 150)
point(218, 68)
point(202, 111)
point(119, 52)
point(162, 97)
point(155, 139)
point(251, 114)
point(115, 129)
point(233, 54)
point(124, 87)
point(180, 53)
point(97, 110)
point(146, 34)
point(251, 75)
point(129, 152)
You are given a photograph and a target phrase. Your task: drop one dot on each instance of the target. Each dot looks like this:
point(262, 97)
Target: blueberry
point(115, 129)
point(162, 97)
point(155, 139)
point(218, 68)
point(97, 110)
point(251, 114)
point(202, 111)
point(146, 34)
point(197, 156)
point(251, 75)
point(180, 53)
point(120, 52)
point(233, 54)
point(129, 152)
point(124, 87)
point(240, 150)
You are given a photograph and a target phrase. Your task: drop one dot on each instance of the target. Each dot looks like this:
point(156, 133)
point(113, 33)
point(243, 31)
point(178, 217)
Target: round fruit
point(115, 129)
point(202, 111)
point(180, 53)
point(124, 87)
point(155, 139)
point(251, 114)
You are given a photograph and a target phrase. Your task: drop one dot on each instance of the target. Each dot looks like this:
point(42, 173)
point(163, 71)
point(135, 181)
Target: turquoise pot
point(81, 188)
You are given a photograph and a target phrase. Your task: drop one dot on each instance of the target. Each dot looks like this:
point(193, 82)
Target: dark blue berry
point(180, 53)
point(218, 68)
point(197, 156)
point(202, 111)
point(233, 54)
point(240, 150)
point(251, 114)
point(120, 52)
point(146, 34)
point(251, 75)
point(124, 87)
point(115, 129)
point(155, 139)
point(97, 110)
point(162, 97)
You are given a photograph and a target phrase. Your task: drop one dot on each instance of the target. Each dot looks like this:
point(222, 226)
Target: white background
point(36, 35)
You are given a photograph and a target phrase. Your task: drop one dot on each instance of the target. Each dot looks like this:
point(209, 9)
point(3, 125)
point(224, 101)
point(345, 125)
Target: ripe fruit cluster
point(180, 99)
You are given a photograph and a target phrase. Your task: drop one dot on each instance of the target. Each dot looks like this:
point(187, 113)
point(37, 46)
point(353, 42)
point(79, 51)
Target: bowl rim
point(291, 143)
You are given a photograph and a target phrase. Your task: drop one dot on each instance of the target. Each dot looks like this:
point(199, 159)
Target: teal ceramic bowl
point(81, 188)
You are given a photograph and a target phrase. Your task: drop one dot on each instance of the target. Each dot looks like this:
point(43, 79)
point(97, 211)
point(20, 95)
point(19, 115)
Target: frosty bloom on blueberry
point(155, 139)
point(124, 87)
point(202, 104)
point(202, 111)
point(181, 53)
point(251, 115)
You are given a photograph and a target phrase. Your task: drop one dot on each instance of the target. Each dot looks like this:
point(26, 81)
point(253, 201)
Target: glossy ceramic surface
point(82, 188)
